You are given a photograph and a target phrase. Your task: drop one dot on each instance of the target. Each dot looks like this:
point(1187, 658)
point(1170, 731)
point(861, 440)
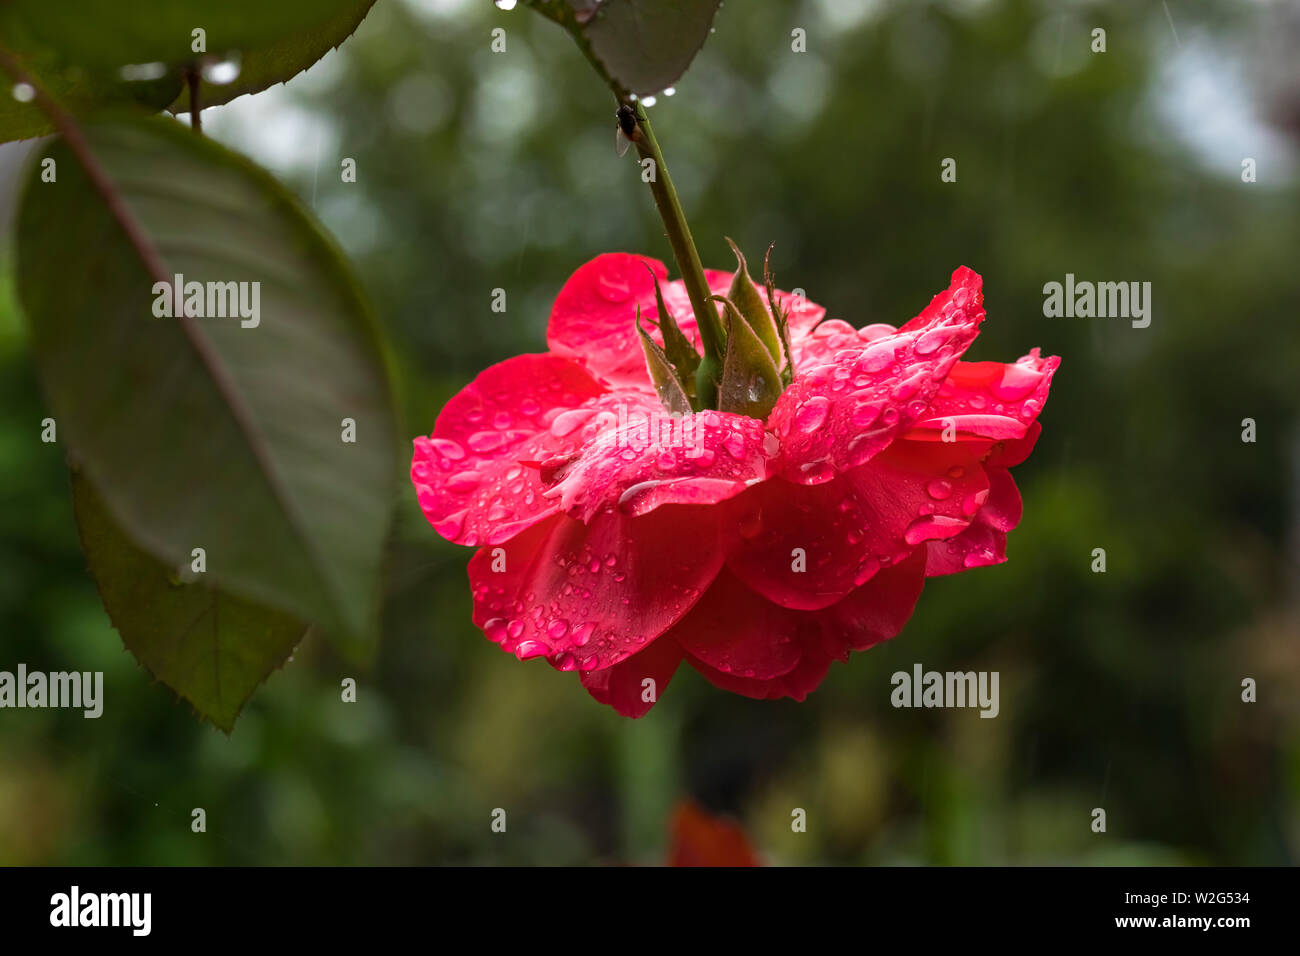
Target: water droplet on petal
point(568, 422)
point(971, 503)
point(811, 415)
point(877, 357)
point(939, 489)
point(483, 442)
point(930, 341)
point(448, 448)
point(734, 443)
point(1017, 382)
point(929, 527)
point(817, 472)
point(529, 649)
point(864, 413)
point(613, 288)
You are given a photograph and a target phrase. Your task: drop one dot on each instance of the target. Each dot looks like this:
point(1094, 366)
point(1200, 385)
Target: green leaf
point(646, 45)
point(671, 390)
point(76, 91)
point(208, 646)
point(749, 303)
point(104, 37)
point(282, 59)
point(200, 432)
point(750, 382)
point(77, 49)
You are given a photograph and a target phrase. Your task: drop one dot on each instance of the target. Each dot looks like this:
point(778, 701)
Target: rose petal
point(622, 686)
point(652, 458)
point(731, 630)
point(872, 613)
point(589, 596)
point(877, 610)
point(837, 416)
point(820, 345)
point(988, 400)
point(470, 475)
point(592, 321)
point(850, 528)
point(1010, 453)
point(964, 286)
point(984, 543)
point(801, 681)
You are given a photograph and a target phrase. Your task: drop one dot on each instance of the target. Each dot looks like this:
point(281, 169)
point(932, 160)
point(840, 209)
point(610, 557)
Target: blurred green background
point(479, 170)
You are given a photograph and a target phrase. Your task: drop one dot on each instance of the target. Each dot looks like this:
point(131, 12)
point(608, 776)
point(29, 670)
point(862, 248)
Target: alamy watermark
point(61, 689)
point(656, 431)
point(209, 300)
point(75, 909)
point(1101, 300)
point(946, 689)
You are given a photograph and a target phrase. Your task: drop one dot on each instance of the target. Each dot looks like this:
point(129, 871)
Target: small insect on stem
point(627, 131)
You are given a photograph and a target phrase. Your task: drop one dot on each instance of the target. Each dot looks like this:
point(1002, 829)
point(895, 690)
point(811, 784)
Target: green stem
point(194, 80)
point(712, 335)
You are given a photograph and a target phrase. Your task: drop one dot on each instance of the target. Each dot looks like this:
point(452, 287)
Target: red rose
point(618, 541)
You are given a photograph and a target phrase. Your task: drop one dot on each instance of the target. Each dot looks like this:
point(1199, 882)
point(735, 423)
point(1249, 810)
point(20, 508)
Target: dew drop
point(939, 489)
point(864, 413)
point(877, 357)
point(529, 649)
point(811, 415)
point(734, 443)
point(613, 288)
point(930, 341)
point(568, 422)
point(448, 448)
point(486, 441)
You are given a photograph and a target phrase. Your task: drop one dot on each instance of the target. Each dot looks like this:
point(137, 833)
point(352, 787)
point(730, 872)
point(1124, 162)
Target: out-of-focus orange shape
point(701, 839)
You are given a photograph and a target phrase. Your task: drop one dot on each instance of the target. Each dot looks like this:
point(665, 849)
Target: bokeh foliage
point(479, 170)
